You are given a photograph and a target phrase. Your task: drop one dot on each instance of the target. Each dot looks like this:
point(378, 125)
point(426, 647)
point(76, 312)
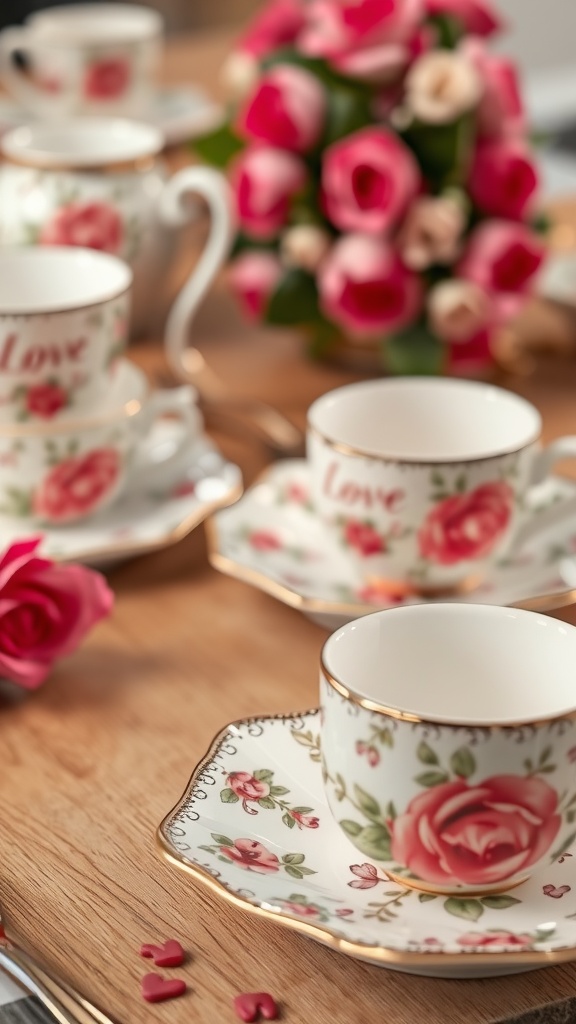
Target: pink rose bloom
point(366, 289)
point(501, 111)
point(363, 38)
point(264, 540)
point(467, 526)
point(275, 26)
point(253, 277)
point(93, 225)
point(478, 17)
point(77, 486)
point(503, 256)
point(264, 181)
point(368, 181)
point(246, 786)
point(472, 355)
point(364, 539)
point(46, 610)
point(300, 909)
point(252, 856)
point(366, 876)
point(503, 181)
point(304, 820)
point(477, 835)
point(482, 940)
point(45, 400)
point(286, 109)
point(107, 79)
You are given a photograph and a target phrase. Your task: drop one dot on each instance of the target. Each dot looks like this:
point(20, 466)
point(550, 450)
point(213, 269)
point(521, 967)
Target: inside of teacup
point(54, 279)
point(84, 142)
point(96, 23)
point(426, 419)
point(458, 664)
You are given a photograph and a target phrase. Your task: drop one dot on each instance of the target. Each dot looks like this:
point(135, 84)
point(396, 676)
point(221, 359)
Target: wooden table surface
point(93, 761)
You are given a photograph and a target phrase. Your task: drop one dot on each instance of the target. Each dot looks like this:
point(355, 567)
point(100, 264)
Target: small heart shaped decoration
point(248, 1005)
point(170, 954)
point(555, 893)
point(156, 989)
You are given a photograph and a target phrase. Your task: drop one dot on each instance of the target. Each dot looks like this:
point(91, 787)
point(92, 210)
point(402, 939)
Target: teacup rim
point(44, 251)
point(390, 459)
point(141, 158)
point(434, 721)
point(151, 21)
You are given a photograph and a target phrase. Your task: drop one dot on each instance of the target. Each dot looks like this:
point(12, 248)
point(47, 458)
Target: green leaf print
point(221, 840)
point(374, 841)
point(228, 796)
point(264, 775)
point(288, 820)
point(429, 779)
point(425, 897)
point(367, 804)
point(351, 828)
point(267, 803)
point(499, 902)
point(462, 763)
point(293, 858)
point(470, 909)
point(425, 754)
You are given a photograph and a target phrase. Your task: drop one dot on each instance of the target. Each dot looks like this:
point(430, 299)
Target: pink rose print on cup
point(364, 538)
point(247, 788)
point(92, 225)
point(369, 751)
point(304, 820)
point(77, 486)
point(45, 400)
point(483, 940)
point(107, 79)
point(249, 854)
point(467, 526)
point(460, 834)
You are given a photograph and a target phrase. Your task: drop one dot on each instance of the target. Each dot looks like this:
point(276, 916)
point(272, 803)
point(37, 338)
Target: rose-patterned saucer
point(273, 540)
point(144, 518)
point(255, 827)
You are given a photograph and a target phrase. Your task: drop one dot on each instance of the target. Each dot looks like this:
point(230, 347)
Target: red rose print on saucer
point(77, 486)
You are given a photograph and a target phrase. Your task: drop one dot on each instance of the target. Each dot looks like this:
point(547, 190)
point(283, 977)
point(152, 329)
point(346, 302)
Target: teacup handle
point(179, 403)
point(561, 448)
point(213, 187)
point(11, 41)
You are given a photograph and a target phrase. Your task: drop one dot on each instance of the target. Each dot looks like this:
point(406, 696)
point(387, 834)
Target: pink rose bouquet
point(385, 189)
point(46, 610)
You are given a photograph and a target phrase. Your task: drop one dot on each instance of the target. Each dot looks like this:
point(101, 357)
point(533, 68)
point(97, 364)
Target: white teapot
point(100, 183)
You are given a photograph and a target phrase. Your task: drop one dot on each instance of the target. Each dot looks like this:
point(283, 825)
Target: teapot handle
point(176, 212)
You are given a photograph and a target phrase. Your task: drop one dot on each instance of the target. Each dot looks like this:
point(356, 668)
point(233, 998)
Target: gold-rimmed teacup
point(449, 743)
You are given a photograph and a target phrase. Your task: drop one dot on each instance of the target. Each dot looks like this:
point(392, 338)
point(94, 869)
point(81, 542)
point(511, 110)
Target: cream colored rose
point(304, 245)
point(432, 232)
point(441, 86)
point(239, 74)
point(458, 310)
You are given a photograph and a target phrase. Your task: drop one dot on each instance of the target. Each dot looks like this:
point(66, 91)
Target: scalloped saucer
point(272, 539)
point(143, 519)
point(265, 840)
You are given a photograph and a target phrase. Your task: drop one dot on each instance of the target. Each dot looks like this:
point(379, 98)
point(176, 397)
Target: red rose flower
point(264, 540)
point(249, 854)
point(478, 940)
point(107, 79)
point(77, 486)
point(503, 180)
point(45, 400)
point(467, 526)
point(246, 787)
point(304, 820)
point(93, 225)
point(364, 539)
point(477, 835)
point(300, 909)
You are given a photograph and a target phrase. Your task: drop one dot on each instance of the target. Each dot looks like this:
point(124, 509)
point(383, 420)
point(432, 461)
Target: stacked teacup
point(76, 418)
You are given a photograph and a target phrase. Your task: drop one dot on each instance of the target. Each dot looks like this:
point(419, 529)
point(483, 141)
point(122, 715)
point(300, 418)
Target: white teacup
point(63, 324)
point(70, 469)
point(449, 743)
point(84, 59)
point(100, 183)
point(426, 480)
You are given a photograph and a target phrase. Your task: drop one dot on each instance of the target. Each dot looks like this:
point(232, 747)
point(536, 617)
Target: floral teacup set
point(440, 768)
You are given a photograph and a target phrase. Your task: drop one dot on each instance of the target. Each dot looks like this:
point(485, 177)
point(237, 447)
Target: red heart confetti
point(170, 954)
point(555, 893)
point(249, 1005)
point(155, 988)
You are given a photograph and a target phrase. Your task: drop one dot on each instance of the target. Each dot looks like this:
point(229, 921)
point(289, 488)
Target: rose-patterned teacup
point(66, 470)
point(63, 325)
point(83, 59)
point(449, 742)
point(100, 183)
point(426, 480)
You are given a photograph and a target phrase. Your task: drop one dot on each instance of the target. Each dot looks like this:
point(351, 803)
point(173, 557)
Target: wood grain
point(93, 761)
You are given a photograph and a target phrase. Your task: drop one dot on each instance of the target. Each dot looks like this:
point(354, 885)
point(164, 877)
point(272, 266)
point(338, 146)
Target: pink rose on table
point(503, 181)
point(367, 39)
point(77, 486)
point(478, 17)
point(364, 538)
point(479, 940)
point(264, 182)
point(45, 611)
point(246, 787)
point(107, 79)
point(481, 834)
point(275, 26)
point(473, 355)
point(368, 181)
point(502, 256)
point(467, 526)
point(366, 289)
point(501, 111)
point(93, 225)
point(253, 277)
point(45, 400)
point(286, 109)
point(253, 856)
